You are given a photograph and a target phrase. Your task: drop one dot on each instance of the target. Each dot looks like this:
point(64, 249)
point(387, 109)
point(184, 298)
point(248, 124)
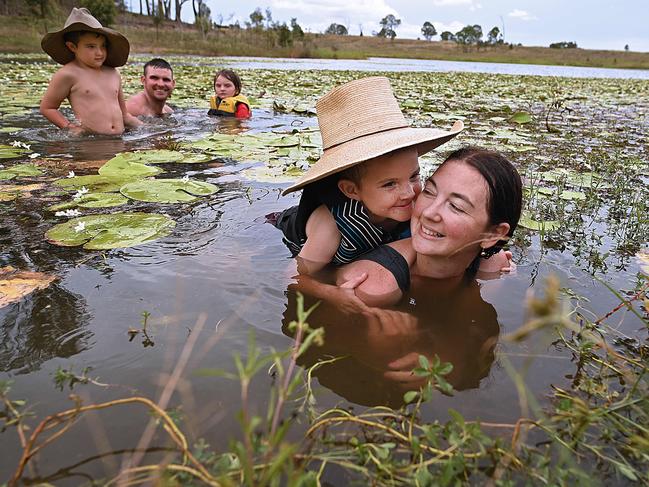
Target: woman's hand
point(346, 299)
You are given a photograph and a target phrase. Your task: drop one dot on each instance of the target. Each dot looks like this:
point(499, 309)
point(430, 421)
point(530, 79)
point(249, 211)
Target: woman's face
point(450, 215)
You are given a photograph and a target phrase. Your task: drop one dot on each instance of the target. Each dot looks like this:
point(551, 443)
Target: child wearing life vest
point(360, 193)
point(228, 100)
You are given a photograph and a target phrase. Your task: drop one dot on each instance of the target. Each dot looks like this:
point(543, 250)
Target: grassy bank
point(19, 34)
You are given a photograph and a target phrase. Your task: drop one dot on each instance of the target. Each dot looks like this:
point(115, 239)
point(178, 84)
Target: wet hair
point(75, 35)
point(354, 174)
point(232, 76)
point(160, 64)
point(505, 188)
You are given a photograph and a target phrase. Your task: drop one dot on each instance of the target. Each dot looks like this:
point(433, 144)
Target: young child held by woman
point(360, 193)
point(227, 100)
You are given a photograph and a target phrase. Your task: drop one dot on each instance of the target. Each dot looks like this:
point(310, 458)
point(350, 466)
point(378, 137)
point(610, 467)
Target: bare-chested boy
point(88, 79)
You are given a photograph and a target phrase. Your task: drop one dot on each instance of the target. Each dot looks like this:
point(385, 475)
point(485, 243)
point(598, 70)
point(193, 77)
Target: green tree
point(494, 36)
point(284, 37)
point(337, 29)
point(428, 31)
point(202, 16)
point(471, 34)
point(103, 10)
point(447, 36)
point(388, 24)
point(626, 47)
point(257, 19)
point(296, 31)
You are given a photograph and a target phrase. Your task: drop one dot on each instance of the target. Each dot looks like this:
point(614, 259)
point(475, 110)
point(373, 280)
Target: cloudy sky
point(593, 24)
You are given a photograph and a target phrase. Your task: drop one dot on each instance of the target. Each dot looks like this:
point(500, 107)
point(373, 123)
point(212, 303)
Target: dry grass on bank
point(19, 34)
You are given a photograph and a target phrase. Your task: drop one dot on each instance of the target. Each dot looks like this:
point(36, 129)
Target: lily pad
point(9, 151)
point(154, 156)
point(521, 117)
point(101, 232)
point(196, 158)
point(120, 166)
point(10, 130)
point(167, 190)
point(542, 226)
point(20, 170)
point(572, 195)
point(10, 192)
point(92, 200)
point(95, 182)
point(15, 284)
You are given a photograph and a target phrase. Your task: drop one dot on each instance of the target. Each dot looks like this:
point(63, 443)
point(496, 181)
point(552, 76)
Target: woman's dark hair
point(232, 76)
point(505, 187)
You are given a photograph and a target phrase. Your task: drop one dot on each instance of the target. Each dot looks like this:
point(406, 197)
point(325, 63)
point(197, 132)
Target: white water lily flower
point(70, 174)
point(34, 155)
point(27, 146)
point(80, 193)
point(185, 179)
point(81, 226)
point(72, 212)
point(16, 143)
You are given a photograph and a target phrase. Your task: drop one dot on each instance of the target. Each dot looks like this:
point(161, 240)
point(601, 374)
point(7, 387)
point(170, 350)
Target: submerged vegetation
point(581, 145)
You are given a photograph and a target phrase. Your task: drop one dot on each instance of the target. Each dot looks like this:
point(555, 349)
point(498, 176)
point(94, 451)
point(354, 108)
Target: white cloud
point(447, 3)
point(521, 14)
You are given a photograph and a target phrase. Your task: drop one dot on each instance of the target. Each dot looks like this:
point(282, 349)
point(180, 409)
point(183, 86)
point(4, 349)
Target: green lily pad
point(542, 226)
point(521, 117)
point(154, 156)
point(9, 151)
point(92, 200)
point(20, 170)
point(572, 195)
point(120, 166)
point(167, 190)
point(100, 232)
point(10, 130)
point(196, 158)
point(94, 182)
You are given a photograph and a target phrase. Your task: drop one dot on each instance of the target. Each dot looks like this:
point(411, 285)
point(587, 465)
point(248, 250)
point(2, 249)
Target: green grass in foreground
point(20, 34)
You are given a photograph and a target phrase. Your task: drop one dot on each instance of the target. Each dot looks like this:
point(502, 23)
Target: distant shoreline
point(23, 35)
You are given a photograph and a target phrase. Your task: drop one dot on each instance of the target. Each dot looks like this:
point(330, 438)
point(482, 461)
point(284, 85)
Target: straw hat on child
point(361, 120)
point(79, 19)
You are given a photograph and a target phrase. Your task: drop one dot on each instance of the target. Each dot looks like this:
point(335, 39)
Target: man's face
point(158, 83)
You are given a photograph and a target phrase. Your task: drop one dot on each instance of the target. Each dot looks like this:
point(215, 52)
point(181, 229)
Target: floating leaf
point(572, 195)
point(94, 182)
point(124, 168)
point(99, 232)
point(521, 117)
point(167, 190)
point(15, 284)
point(10, 130)
point(92, 200)
point(20, 170)
point(155, 156)
point(544, 226)
point(9, 151)
point(196, 158)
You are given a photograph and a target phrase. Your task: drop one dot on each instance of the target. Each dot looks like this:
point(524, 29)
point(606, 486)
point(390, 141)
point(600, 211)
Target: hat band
point(365, 135)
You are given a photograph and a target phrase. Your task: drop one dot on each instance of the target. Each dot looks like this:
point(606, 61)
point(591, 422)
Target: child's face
point(90, 50)
point(389, 186)
point(224, 88)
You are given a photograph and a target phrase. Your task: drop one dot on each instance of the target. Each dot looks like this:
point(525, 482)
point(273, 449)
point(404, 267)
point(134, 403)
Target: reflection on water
point(379, 349)
point(46, 324)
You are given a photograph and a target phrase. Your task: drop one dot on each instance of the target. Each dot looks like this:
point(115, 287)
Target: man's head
point(158, 79)
point(89, 48)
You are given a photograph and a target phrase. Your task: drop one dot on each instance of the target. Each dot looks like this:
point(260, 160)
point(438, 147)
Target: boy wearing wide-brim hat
point(360, 193)
point(90, 53)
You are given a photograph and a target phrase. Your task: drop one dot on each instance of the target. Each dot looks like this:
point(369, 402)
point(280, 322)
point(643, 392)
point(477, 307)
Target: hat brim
point(348, 154)
point(118, 46)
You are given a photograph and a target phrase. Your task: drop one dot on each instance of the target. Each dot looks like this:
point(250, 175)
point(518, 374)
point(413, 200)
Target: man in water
point(158, 83)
